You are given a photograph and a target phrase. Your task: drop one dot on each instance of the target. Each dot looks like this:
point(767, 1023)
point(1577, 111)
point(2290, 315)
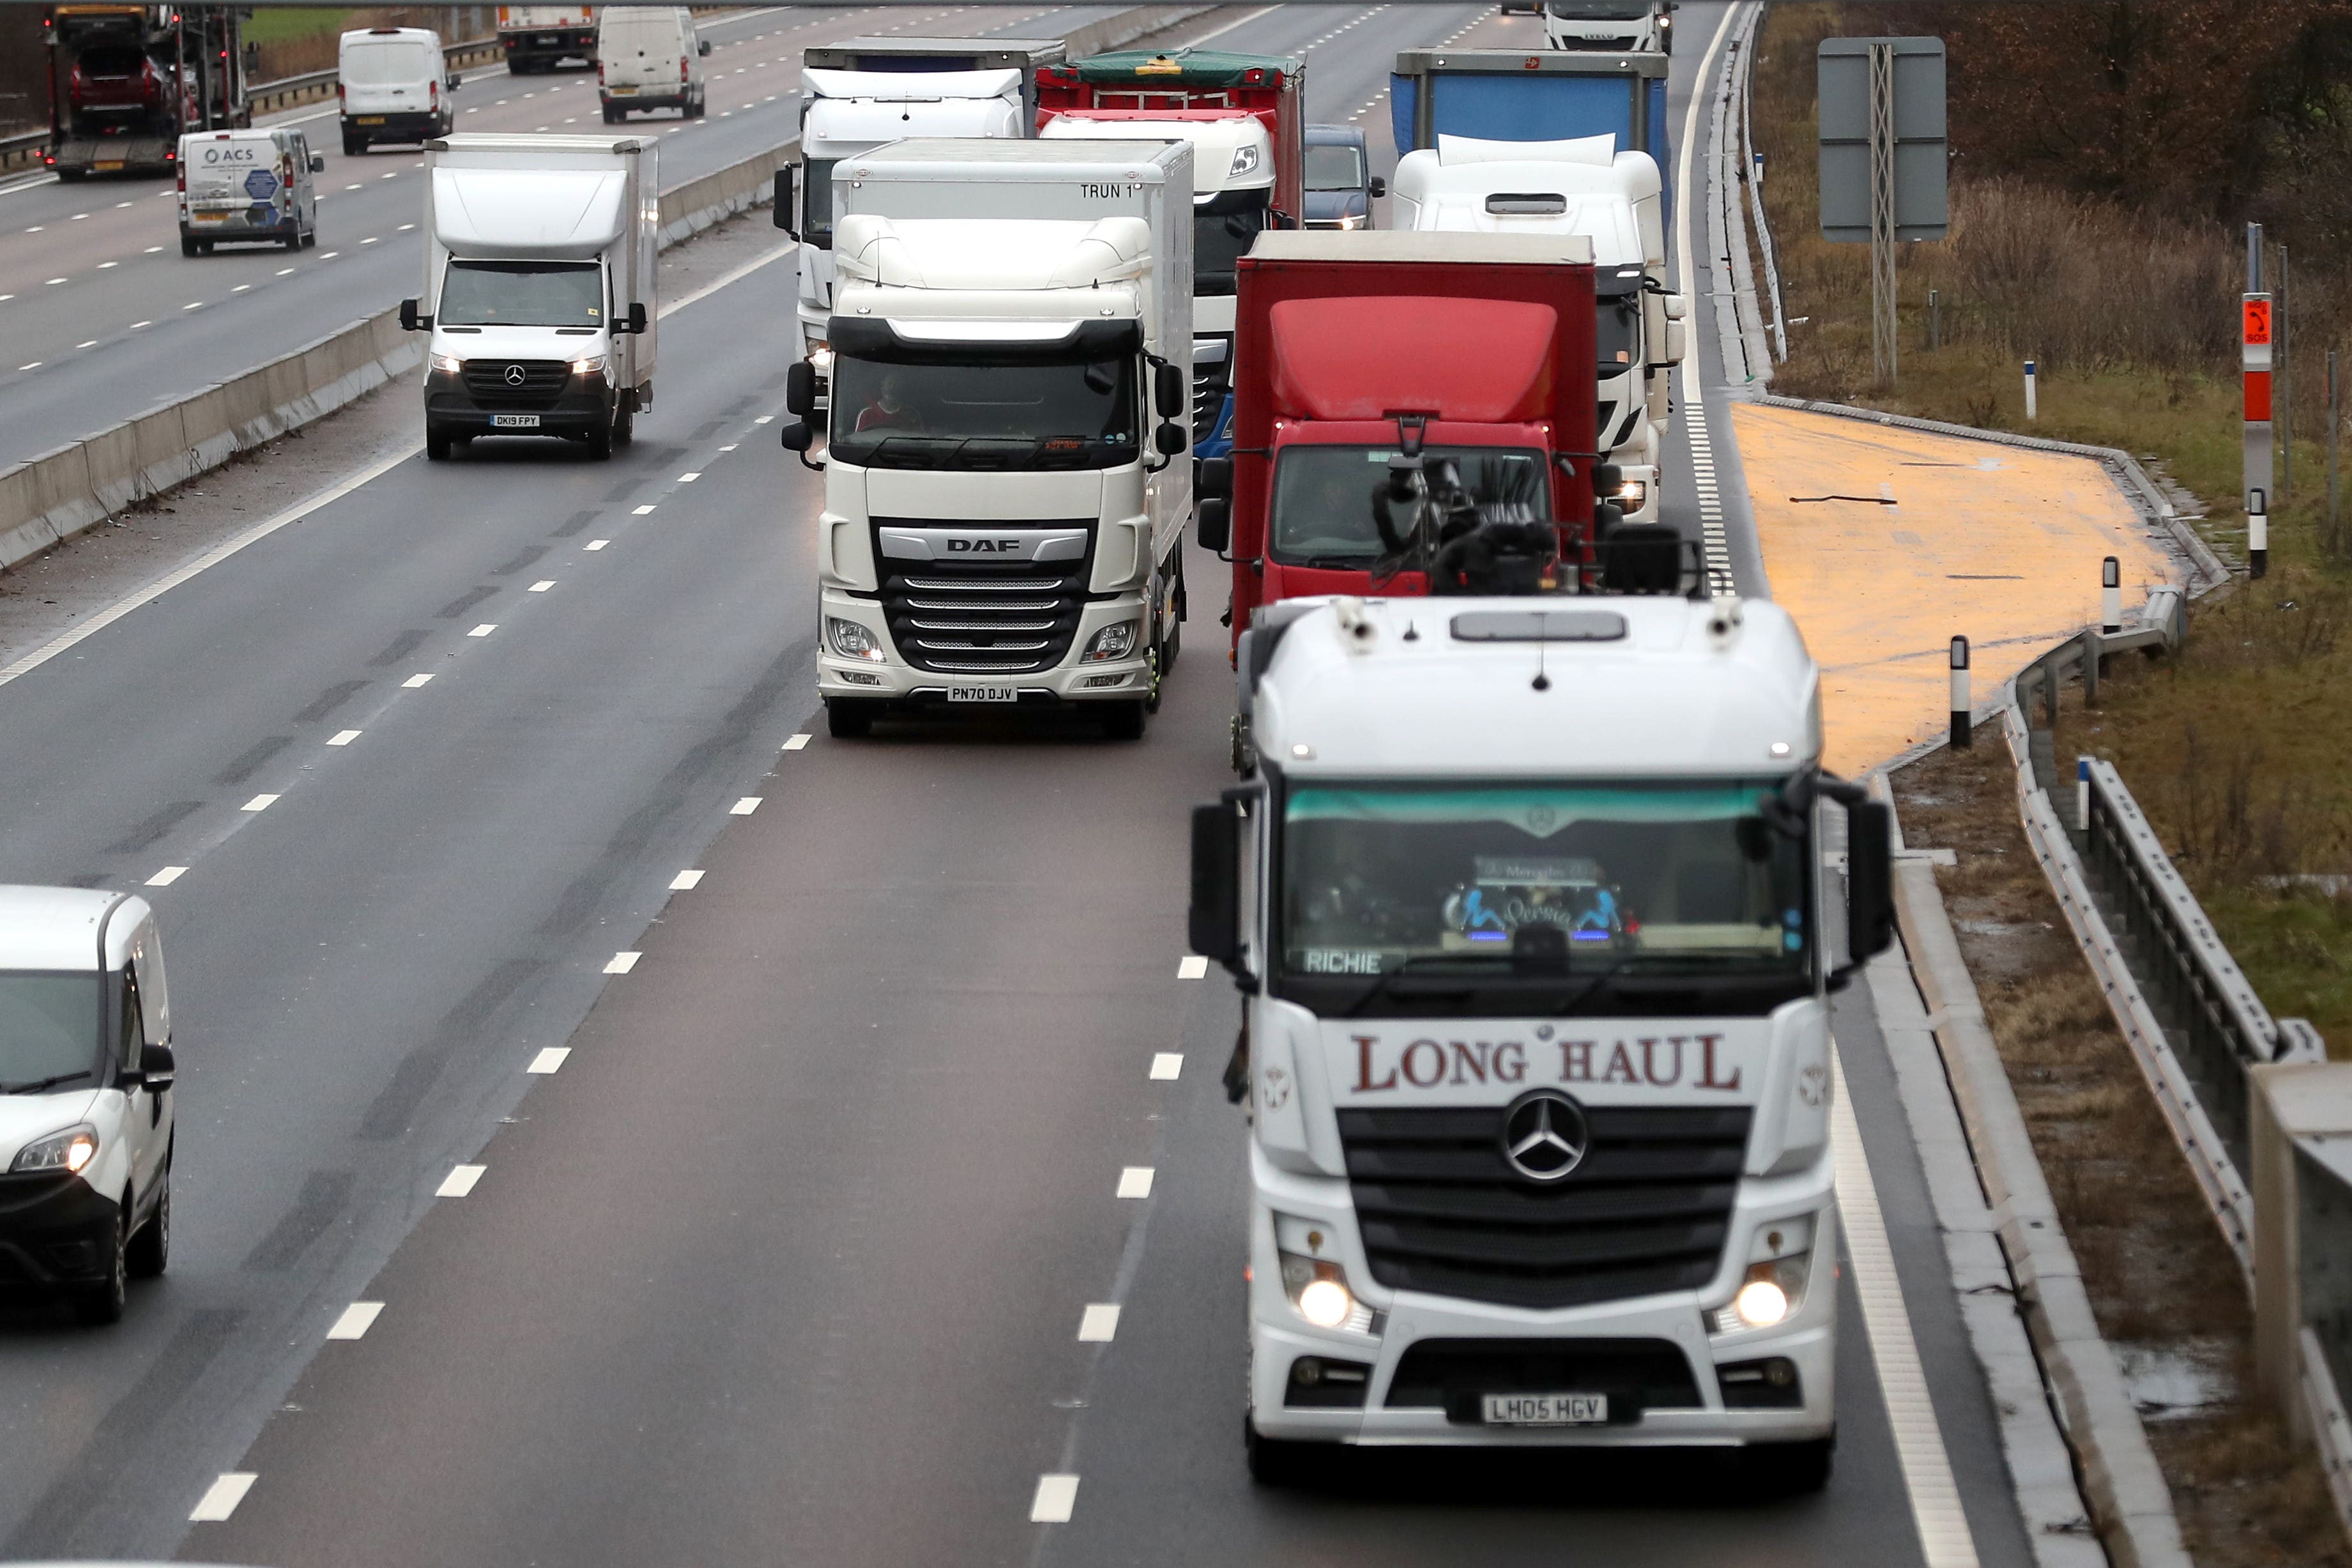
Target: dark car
point(117, 79)
point(1340, 185)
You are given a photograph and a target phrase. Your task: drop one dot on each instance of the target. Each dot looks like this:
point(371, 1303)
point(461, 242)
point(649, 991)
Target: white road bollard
point(2083, 793)
point(2258, 534)
point(2111, 595)
point(1961, 708)
point(2032, 408)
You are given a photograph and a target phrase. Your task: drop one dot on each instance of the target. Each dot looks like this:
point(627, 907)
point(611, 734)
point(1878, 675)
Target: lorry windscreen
point(1224, 228)
point(1600, 10)
point(1666, 897)
point(1322, 513)
point(48, 1030)
point(522, 294)
point(817, 188)
point(1017, 414)
point(1617, 336)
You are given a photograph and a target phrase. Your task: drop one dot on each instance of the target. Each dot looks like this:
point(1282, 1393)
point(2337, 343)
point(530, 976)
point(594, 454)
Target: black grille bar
point(492, 383)
point(982, 617)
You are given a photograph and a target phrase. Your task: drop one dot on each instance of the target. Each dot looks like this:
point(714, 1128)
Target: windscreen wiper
point(1380, 985)
point(37, 1084)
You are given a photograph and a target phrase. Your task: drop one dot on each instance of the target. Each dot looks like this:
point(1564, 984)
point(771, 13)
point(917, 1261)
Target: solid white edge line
point(355, 1321)
point(1943, 1525)
point(221, 1498)
point(1056, 1496)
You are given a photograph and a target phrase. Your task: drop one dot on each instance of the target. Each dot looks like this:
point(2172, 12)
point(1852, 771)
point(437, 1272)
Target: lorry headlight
point(1633, 494)
point(1111, 643)
point(1318, 1292)
point(592, 364)
point(1244, 160)
point(68, 1150)
point(853, 641)
point(820, 358)
point(1774, 1286)
point(449, 364)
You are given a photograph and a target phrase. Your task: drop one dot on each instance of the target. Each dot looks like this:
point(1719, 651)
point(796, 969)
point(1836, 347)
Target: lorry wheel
point(1124, 721)
point(848, 719)
point(187, 245)
point(600, 443)
point(151, 1250)
point(437, 444)
point(100, 1304)
point(68, 176)
point(624, 427)
point(1274, 1463)
point(1788, 1469)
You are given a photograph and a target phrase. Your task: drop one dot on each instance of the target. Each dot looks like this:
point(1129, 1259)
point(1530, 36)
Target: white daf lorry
point(1615, 199)
point(1006, 478)
point(860, 93)
point(541, 270)
point(1625, 27)
point(1528, 909)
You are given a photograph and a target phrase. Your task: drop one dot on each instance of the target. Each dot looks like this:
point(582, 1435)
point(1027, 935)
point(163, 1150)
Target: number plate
point(369, 119)
point(1546, 1409)
point(514, 421)
point(982, 695)
point(621, 91)
point(109, 166)
point(209, 217)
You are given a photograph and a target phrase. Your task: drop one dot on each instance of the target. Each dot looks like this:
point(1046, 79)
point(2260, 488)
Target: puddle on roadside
point(2168, 1382)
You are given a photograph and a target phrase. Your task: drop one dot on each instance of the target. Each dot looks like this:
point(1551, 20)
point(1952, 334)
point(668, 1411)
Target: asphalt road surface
point(784, 1258)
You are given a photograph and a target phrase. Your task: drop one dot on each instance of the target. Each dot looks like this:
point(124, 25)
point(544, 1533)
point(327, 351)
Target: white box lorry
point(541, 288)
point(1614, 199)
point(860, 93)
point(1007, 476)
point(1528, 907)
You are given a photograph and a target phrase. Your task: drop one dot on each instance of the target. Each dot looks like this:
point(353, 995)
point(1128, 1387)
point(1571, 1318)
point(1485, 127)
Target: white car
point(86, 1074)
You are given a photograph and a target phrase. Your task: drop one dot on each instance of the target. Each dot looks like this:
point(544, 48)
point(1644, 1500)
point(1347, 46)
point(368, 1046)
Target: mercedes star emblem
point(514, 375)
point(1545, 1134)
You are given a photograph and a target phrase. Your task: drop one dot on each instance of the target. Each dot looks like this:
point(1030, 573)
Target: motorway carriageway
point(101, 317)
point(884, 1209)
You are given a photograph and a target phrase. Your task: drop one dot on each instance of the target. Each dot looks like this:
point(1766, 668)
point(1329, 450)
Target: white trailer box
point(541, 290)
point(1011, 331)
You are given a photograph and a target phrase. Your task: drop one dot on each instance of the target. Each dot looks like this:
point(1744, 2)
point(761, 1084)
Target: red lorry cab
point(1353, 347)
point(1191, 84)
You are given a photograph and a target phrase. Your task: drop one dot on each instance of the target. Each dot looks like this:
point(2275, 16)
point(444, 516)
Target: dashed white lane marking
point(549, 1060)
point(1056, 1496)
point(167, 876)
point(542, 585)
point(745, 807)
point(1098, 1323)
point(343, 738)
point(221, 1498)
point(689, 479)
point(417, 680)
point(684, 881)
point(641, 511)
point(357, 1319)
point(483, 629)
point(621, 963)
point(728, 447)
point(459, 1181)
point(765, 418)
point(595, 544)
point(1191, 967)
point(1935, 1507)
point(795, 742)
point(259, 803)
point(1166, 1065)
point(1135, 1181)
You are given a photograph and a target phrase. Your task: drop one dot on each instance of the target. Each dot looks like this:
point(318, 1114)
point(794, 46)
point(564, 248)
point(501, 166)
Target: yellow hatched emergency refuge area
point(1885, 543)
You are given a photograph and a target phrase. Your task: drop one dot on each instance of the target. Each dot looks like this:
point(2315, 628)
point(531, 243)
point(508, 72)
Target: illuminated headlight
point(591, 365)
point(820, 359)
point(68, 1150)
point(1353, 221)
point(1244, 160)
point(1774, 1287)
point(1633, 494)
point(1111, 643)
point(449, 364)
point(1318, 1288)
point(853, 641)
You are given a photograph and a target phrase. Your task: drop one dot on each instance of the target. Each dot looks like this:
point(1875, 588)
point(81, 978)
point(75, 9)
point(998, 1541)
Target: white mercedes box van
point(647, 57)
point(251, 185)
point(85, 1118)
point(393, 85)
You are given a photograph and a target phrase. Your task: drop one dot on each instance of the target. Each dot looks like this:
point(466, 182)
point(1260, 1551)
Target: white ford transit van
point(647, 57)
point(393, 85)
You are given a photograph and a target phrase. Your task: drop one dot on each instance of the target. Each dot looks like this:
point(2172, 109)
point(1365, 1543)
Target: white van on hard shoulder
point(392, 83)
point(86, 1112)
point(648, 57)
point(251, 184)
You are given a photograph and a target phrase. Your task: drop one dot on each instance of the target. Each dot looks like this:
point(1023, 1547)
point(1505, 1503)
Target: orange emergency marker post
point(2254, 337)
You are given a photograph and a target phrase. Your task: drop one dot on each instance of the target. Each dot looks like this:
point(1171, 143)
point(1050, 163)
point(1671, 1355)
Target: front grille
point(982, 618)
point(1637, 1375)
point(1210, 384)
point(488, 384)
point(1645, 1211)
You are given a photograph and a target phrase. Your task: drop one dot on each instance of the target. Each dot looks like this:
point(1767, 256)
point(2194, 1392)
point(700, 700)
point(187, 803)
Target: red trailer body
point(1193, 84)
point(1484, 342)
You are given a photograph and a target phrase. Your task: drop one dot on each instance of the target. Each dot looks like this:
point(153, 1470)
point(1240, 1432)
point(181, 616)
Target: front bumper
point(892, 680)
point(55, 1231)
point(240, 225)
point(584, 405)
point(682, 98)
point(1403, 1319)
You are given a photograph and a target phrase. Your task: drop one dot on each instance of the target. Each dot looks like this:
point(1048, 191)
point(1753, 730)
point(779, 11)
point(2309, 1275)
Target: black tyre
point(624, 424)
point(1125, 720)
point(203, 248)
point(1788, 1469)
point(612, 116)
point(352, 146)
point(311, 239)
point(292, 241)
point(1272, 1462)
point(150, 1252)
point(437, 444)
point(600, 443)
point(68, 176)
point(187, 245)
point(848, 719)
point(1176, 623)
point(102, 1304)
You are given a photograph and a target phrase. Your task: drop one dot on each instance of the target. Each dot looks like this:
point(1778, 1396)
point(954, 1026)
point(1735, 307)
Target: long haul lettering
point(1660, 1061)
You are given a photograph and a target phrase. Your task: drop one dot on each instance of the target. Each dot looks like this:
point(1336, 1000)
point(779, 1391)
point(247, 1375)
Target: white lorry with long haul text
point(541, 266)
point(1614, 199)
point(1528, 909)
point(1006, 480)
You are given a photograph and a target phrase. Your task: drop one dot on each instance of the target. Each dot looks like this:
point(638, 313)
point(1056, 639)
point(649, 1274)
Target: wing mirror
point(1216, 523)
point(797, 436)
point(800, 389)
point(410, 321)
point(1167, 391)
point(454, 81)
point(1379, 187)
point(318, 162)
point(1214, 922)
point(703, 47)
point(1214, 477)
point(156, 1069)
point(638, 321)
point(1167, 440)
point(783, 214)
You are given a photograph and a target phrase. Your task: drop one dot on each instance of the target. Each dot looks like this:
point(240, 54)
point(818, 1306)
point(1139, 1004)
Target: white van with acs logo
point(248, 185)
